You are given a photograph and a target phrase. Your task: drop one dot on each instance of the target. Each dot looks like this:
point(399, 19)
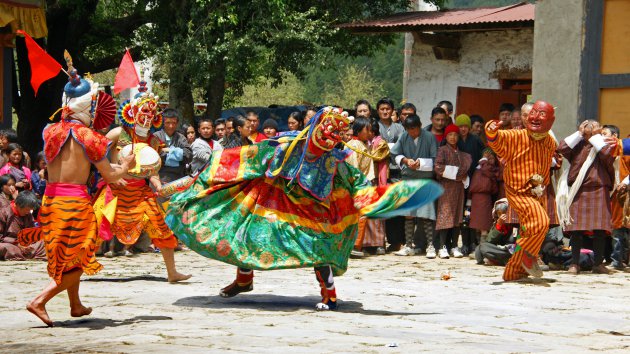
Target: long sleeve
point(381, 151)
point(501, 142)
point(465, 161)
point(440, 163)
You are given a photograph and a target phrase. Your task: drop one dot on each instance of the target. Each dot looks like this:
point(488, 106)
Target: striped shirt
point(524, 156)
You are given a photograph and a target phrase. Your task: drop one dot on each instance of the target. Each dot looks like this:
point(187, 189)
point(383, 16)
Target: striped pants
point(534, 221)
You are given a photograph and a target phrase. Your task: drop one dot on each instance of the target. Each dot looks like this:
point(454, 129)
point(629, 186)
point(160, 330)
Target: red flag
point(126, 77)
point(43, 66)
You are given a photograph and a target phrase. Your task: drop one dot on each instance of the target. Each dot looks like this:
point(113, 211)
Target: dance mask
point(540, 119)
point(141, 112)
point(331, 122)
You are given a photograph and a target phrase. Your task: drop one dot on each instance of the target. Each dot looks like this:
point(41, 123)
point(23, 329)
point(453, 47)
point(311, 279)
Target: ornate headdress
point(142, 109)
point(83, 101)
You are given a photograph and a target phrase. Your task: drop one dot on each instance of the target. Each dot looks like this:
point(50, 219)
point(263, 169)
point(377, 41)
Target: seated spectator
point(15, 217)
point(270, 128)
point(295, 122)
point(9, 193)
point(39, 175)
point(16, 167)
point(12, 138)
point(496, 248)
point(203, 146)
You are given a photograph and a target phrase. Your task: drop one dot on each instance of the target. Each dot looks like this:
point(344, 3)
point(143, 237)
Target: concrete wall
point(558, 39)
point(483, 57)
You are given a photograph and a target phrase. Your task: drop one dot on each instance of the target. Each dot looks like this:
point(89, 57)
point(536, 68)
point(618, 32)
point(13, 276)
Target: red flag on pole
point(43, 66)
point(126, 77)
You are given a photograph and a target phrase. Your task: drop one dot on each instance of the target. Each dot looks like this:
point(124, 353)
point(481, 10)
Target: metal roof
point(518, 15)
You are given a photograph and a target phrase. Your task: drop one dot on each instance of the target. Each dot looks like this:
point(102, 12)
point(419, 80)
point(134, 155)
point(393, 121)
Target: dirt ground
point(388, 304)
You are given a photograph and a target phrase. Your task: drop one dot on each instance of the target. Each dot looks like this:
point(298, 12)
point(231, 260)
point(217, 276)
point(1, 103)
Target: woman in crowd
point(189, 132)
point(39, 176)
point(242, 129)
point(295, 121)
point(17, 168)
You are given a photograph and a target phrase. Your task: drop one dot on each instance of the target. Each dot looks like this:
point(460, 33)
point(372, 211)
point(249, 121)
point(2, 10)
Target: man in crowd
point(447, 106)
point(254, 120)
point(219, 130)
point(204, 145)
point(439, 121)
point(505, 115)
point(177, 152)
point(406, 110)
point(415, 153)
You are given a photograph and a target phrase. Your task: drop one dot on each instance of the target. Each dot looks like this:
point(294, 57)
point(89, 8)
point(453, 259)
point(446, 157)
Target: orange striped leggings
point(532, 213)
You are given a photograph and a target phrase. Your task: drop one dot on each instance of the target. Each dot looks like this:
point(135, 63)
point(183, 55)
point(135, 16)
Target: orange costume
point(528, 154)
point(137, 208)
point(68, 224)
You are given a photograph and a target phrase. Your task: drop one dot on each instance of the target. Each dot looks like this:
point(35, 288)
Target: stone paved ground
point(389, 304)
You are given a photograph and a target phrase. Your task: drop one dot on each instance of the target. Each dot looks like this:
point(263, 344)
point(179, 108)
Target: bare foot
point(40, 312)
point(177, 277)
point(80, 311)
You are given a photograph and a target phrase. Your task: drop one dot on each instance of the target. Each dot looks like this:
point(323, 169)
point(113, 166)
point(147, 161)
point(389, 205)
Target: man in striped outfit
point(528, 154)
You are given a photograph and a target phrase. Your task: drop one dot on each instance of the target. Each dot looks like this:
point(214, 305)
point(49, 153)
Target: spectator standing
point(363, 108)
point(451, 170)
point(190, 133)
point(620, 202)
point(477, 124)
point(590, 180)
point(255, 136)
point(406, 110)
point(242, 130)
point(308, 114)
point(447, 106)
point(177, 153)
point(482, 187)
point(505, 115)
point(39, 176)
point(294, 122)
point(270, 128)
point(438, 123)
point(415, 153)
point(219, 130)
point(204, 145)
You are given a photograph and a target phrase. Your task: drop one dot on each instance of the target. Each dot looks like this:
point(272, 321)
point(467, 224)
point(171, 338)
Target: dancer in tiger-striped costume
point(68, 224)
point(528, 155)
point(137, 208)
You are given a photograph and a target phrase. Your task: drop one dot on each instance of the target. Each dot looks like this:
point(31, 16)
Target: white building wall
point(483, 57)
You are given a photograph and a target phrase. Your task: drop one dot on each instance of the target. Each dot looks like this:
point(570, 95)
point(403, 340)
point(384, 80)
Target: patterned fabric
point(137, 210)
point(524, 157)
point(591, 207)
point(380, 151)
point(450, 209)
point(94, 144)
point(617, 203)
point(68, 228)
point(10, 225)
point(359, 161)
point(236, 214)
point(482, 186)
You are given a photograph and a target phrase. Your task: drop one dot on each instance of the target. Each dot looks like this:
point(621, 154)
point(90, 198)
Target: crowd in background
point(472, 218)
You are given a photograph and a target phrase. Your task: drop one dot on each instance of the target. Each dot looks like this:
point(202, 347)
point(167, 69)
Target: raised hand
point(494, 126)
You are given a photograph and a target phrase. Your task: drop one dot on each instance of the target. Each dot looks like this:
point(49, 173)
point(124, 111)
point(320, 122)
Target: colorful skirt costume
point(265, 207)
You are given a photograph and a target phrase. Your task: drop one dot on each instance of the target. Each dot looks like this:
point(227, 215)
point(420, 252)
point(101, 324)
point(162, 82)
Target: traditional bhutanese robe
point(524, 157)
point(450, 210)
point(239, 212)
point(379, 149)
point(591, 208)
point(10, 225)
point(425, 147)
point(482, 186)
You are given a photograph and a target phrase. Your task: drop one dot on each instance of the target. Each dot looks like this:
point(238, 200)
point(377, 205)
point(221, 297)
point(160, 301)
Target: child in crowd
point(451, 169)
point(39, 175)
point(17, 168)
point(270, 128)
point(482, 187)
point(495, 248)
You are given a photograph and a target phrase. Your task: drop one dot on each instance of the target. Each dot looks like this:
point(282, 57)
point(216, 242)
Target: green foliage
point(289, 92)
point(352, 83)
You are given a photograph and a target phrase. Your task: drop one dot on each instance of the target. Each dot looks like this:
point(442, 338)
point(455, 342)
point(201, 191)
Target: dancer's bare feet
point(177, 277)
point(40, 311)
point(80, 311)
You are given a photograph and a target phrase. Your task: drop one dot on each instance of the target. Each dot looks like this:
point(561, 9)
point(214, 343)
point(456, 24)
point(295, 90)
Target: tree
point(95, 33)
point(261, 94)
point(352, 83)
point(226, 45)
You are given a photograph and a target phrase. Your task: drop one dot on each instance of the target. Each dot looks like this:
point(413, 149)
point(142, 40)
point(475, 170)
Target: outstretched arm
point(111, 172)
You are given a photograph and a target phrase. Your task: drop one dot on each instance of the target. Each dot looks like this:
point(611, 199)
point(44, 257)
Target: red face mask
point(540, 118)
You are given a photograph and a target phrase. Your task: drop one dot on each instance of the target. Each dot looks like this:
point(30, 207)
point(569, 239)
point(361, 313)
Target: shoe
point(456, 253)
point(393, 248)
point(443, 253)
point(380, 251)
point(329, 305)
point(126, 253)
point(356, 254)
point(431, 252)
point(601, 269)
point(574, 269)
point(109, 254)
point(235, 289)
point(530, 265)
point(405, 251)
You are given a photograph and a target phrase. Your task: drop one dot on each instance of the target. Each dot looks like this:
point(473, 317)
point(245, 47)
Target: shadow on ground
point(102, 323)
point(267, 302)
point(126, 279)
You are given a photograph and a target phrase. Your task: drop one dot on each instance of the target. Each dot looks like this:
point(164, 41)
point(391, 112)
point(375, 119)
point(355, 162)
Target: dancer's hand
point(494, 126)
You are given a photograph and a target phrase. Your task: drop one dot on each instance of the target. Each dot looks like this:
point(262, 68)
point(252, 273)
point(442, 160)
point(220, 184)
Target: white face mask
point(141, 131)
